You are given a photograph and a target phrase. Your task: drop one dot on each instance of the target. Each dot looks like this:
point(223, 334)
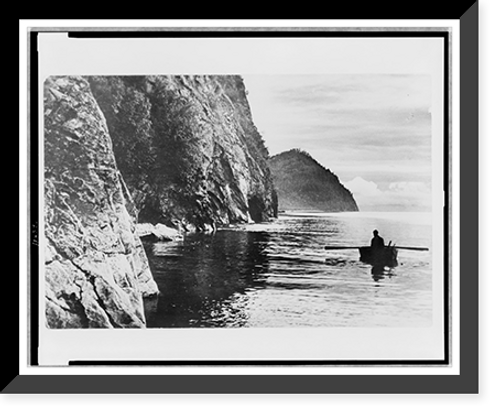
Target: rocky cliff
point(96, 269)
point(303, 184)
point(187, 148)
point(174, 150)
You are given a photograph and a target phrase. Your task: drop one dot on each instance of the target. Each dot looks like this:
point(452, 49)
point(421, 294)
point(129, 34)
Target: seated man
point(377, 241)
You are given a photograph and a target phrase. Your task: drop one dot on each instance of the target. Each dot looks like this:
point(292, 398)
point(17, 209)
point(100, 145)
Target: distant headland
point(303, 184)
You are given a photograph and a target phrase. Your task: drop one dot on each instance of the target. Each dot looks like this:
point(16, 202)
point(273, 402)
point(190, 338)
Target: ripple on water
point(279, 275)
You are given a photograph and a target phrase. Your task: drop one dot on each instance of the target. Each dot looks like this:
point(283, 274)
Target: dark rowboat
point(386, 256)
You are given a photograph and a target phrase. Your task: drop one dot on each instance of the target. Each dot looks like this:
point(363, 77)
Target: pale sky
point(373, 131)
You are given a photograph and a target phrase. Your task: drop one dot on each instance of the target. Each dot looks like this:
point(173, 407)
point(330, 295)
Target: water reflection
point(380, 272)
point(150, 306)
point(279, 275)
point(202, 279)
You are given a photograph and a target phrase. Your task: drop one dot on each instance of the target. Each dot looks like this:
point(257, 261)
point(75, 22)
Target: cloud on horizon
point(405, 196)
point(357, 124)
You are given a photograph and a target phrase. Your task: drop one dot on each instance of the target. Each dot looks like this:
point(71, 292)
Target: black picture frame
point(466, 382)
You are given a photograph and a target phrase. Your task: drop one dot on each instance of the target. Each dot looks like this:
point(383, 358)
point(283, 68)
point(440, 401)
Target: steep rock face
point(188, 149)
point(303, 184)
point(96, 269)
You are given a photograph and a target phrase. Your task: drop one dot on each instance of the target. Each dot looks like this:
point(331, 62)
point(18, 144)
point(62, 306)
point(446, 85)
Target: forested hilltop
point(304, 184)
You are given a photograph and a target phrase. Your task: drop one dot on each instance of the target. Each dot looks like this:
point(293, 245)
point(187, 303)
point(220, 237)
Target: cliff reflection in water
point(203, 279)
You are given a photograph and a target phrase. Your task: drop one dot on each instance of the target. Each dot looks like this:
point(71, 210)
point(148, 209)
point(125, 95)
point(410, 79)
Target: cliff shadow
point(203, 281)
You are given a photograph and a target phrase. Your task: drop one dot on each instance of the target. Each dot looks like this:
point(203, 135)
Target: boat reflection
point(380, 272)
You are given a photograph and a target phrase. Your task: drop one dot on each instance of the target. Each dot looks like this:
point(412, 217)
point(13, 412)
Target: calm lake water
point(278, 274)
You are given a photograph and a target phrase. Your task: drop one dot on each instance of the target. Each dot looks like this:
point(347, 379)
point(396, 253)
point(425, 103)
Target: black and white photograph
point(244, 199)
point(238, 201)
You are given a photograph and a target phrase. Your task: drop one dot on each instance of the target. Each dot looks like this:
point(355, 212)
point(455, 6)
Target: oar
point(411, 248)
point(343, 247)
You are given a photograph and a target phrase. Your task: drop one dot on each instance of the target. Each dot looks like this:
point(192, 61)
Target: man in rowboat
point(377, 243)
point(377, 256)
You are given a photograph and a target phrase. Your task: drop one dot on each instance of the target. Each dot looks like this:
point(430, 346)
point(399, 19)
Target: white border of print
point(58, 341)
